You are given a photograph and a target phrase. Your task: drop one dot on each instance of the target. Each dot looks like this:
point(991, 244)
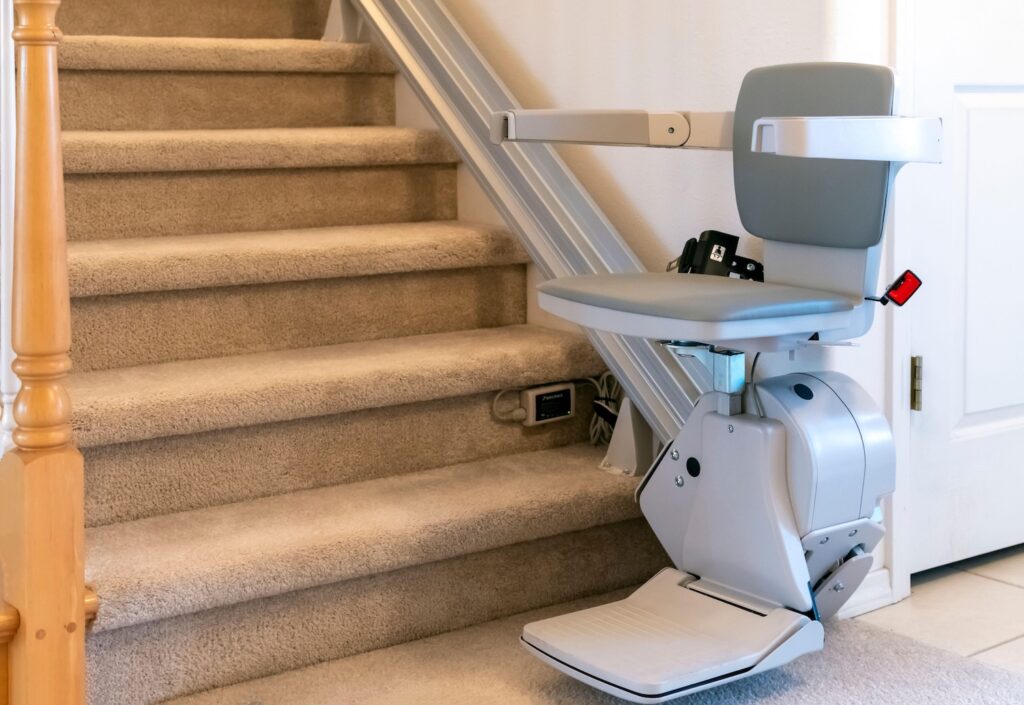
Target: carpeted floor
point(861, 665)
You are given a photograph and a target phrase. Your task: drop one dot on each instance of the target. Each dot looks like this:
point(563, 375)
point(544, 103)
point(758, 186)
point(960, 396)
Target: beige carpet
point(860, 665)
point(146, 570)
point(286, 346)
point(196, 18)
point(168, 83)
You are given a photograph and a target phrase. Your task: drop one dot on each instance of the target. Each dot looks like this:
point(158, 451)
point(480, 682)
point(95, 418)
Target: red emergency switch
point(900, 291)
point(903, 288)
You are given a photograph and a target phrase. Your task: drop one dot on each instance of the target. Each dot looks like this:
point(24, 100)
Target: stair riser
point(165, 475)
point(302, 19)
point(139, 329)
point(171, 100)
point(107, 206)
point(155, 661)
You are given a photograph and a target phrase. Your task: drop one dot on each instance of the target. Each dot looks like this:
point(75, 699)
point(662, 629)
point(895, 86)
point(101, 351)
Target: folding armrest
point(871, 138)
point(692, 130)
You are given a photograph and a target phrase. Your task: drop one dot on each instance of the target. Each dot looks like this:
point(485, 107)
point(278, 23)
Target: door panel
point(961, 227)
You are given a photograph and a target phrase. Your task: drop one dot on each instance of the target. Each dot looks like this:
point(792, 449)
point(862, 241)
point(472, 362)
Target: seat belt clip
point(715, 253)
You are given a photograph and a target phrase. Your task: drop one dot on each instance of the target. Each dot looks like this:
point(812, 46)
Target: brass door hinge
point(916, 375)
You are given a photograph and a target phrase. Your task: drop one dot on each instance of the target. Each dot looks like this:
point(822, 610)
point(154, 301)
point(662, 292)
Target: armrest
point(614, 127)
point(884, 139)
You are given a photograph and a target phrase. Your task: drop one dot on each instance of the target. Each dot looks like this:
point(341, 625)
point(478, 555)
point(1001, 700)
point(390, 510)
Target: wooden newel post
point(41, 485)
point(41, 333)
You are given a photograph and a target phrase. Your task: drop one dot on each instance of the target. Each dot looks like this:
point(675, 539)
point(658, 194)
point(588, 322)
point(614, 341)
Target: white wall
point(666, 54)
point(657, 54)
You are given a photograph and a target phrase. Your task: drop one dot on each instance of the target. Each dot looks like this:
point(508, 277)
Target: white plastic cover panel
point(663, 639)
point(840, 452)
point(731, 523)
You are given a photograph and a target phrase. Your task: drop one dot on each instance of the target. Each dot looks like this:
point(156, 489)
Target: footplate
point(666, 640)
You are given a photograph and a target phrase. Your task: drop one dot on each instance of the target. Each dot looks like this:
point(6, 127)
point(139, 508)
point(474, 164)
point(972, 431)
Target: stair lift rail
point(766, 515)
point(561, 227)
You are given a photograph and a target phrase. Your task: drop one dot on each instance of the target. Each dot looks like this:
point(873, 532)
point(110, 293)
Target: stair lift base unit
point(764, 500)
point(750, 575)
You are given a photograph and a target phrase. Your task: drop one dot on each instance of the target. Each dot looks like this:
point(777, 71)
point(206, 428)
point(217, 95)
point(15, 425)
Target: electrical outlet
point(546, 404)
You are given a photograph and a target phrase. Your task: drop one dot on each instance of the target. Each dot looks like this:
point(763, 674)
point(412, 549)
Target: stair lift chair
point(764, 500)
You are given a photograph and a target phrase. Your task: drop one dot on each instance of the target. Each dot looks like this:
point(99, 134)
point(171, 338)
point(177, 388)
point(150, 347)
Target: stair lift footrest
point(666, 640)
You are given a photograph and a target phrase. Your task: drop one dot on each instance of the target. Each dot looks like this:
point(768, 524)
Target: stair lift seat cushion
point(696, 307)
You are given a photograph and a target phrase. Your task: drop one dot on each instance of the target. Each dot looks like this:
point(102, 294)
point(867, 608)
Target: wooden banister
point(41, 485)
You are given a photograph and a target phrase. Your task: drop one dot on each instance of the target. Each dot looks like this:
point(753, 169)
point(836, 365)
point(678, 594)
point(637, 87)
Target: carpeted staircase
point(286, 347)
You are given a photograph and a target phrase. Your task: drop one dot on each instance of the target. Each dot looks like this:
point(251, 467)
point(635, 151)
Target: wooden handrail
point(41, 484)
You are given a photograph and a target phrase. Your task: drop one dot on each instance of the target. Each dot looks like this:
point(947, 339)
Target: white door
point(960, 226)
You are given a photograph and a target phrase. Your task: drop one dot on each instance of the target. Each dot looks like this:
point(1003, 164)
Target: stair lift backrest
point(822, 219)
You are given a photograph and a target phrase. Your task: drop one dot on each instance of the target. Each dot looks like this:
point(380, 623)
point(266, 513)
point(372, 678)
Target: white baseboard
point(874, 593)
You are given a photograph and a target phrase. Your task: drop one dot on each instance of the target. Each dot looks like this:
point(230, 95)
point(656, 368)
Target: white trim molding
point(875, 592)
point(344, 23)
point(897, 519)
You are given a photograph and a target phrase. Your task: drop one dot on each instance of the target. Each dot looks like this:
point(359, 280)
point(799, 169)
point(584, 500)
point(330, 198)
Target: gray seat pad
point(695, 297)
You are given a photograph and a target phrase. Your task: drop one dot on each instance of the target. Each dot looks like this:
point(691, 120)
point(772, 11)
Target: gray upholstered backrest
point(825, 202)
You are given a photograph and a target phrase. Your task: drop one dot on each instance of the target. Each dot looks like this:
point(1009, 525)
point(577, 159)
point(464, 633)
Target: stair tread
point(132, 151)
point(126, 53)
point(484, 663)
point(101, 267)
point(174, 398)
point(177, 564)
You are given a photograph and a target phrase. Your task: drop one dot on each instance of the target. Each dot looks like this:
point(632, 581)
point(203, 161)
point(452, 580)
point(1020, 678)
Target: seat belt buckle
point(900, 291)
point(715, 253)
